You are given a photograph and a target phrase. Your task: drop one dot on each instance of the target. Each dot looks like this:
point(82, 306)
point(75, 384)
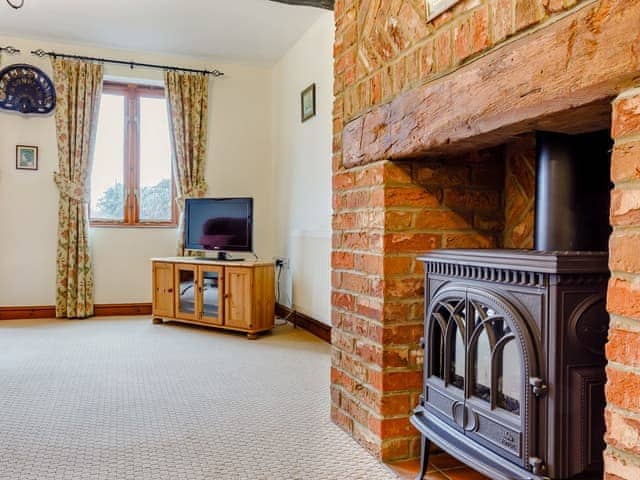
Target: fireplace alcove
point(410, 111)
point(514, 339)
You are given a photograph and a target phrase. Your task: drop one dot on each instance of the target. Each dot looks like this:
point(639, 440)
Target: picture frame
point(308, 102)
point(435, 8)
point(26, 157)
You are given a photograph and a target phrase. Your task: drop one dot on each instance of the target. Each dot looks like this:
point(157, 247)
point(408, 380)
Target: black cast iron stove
point(514, 339)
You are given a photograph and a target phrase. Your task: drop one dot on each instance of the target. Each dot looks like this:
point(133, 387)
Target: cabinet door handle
point(169, 290)
point(227, 295)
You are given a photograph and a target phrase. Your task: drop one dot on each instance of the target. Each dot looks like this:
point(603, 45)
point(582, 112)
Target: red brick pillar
point(377, 307)
point(622, 457)
point(385, 215)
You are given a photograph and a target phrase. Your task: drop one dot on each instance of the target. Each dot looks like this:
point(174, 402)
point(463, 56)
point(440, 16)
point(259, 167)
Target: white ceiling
point(244, 31)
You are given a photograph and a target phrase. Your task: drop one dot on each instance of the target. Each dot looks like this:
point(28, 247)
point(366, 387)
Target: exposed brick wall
point(385, 214)
point(383, 48)
point(520, 192)
point(622, 457)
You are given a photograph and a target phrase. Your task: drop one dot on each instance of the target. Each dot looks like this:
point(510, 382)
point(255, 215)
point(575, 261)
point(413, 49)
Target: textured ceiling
point(247, 31)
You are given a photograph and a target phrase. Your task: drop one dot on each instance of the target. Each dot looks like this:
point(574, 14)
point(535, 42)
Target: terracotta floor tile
point(409, 469)
point(464, 474)
point(443, 461)
point(434, 476)
point(444, 467)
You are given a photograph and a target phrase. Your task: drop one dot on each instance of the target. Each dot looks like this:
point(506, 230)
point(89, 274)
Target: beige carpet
point(125, 399)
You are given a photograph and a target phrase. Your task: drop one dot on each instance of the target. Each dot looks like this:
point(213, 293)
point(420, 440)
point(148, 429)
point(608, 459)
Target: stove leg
point(425, 445)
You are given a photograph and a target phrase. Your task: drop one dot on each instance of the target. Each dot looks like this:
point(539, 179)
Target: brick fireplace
point(433, 148)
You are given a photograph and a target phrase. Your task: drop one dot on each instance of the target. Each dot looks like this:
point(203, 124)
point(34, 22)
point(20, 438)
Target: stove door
point(445, 366)
point(500, 362)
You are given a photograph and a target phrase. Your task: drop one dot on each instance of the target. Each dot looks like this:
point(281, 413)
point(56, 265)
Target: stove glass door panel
point(481, 364)
point(436, 350)
point(509, 377)
point(456, 353)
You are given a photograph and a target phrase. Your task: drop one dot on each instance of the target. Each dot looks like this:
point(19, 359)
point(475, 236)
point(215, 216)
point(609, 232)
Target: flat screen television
point(223, 224)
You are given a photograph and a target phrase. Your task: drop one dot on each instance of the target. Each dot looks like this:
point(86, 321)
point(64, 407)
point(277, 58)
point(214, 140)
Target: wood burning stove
point(514, 339)
point(514, 361)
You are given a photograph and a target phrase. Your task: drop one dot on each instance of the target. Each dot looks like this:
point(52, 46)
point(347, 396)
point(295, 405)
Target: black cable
point(278, 284)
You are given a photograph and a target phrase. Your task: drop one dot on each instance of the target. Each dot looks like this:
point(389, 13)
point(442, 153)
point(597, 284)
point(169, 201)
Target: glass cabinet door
point(210, 294)
point(186, 291)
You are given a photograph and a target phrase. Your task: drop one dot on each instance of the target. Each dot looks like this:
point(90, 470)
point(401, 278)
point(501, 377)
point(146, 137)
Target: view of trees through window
point(131, 179)
point(155, 201)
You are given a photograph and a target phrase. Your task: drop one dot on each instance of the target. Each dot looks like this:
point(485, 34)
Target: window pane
point(155, 161)
point(107, 176)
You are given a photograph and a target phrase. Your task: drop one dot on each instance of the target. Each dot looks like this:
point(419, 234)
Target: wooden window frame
point(131, 169)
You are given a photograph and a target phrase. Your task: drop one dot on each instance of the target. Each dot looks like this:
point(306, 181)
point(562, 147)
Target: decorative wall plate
point(26, 89)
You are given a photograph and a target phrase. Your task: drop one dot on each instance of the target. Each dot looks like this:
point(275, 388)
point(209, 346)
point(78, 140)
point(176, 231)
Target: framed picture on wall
point(437, 7)
point(26, 157)
point(308, 102)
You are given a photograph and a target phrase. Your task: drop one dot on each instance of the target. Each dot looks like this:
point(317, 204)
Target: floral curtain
point(78, 89)
point(187, 99)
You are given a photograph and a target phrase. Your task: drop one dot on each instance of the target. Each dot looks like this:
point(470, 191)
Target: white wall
point(239, 164)
point(302, 170)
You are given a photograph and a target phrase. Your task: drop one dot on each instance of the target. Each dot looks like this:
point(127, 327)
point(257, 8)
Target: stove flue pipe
point(572, 191)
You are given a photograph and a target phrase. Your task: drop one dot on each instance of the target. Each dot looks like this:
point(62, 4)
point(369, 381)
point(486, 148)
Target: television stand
point(212, 293)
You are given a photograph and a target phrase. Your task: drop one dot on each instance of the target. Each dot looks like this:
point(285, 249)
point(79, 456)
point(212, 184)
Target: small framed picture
point(436, 8)
point(308, 102)
point(26, 157)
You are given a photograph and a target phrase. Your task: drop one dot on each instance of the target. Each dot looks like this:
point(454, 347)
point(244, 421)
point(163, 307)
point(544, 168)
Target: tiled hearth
point(441, 467)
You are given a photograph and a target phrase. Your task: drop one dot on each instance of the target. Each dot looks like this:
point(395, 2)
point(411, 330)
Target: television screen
point(218, 224)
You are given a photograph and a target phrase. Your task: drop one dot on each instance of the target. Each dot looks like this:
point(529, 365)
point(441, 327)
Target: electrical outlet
point(282, 262)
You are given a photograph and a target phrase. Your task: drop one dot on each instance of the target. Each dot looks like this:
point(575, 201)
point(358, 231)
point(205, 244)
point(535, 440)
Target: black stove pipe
point(572, 191)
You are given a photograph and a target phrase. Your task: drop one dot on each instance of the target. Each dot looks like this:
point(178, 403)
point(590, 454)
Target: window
point(132, 180)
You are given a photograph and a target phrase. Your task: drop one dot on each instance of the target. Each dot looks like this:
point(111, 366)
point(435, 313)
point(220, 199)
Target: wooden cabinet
point(238, 296)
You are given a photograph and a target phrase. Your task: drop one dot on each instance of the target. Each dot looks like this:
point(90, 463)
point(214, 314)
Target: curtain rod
point(10, 50)
point(42, 53)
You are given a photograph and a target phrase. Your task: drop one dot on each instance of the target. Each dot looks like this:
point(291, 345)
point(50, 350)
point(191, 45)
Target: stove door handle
point(471, 424)
point(537, 466)
point(538, 386)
